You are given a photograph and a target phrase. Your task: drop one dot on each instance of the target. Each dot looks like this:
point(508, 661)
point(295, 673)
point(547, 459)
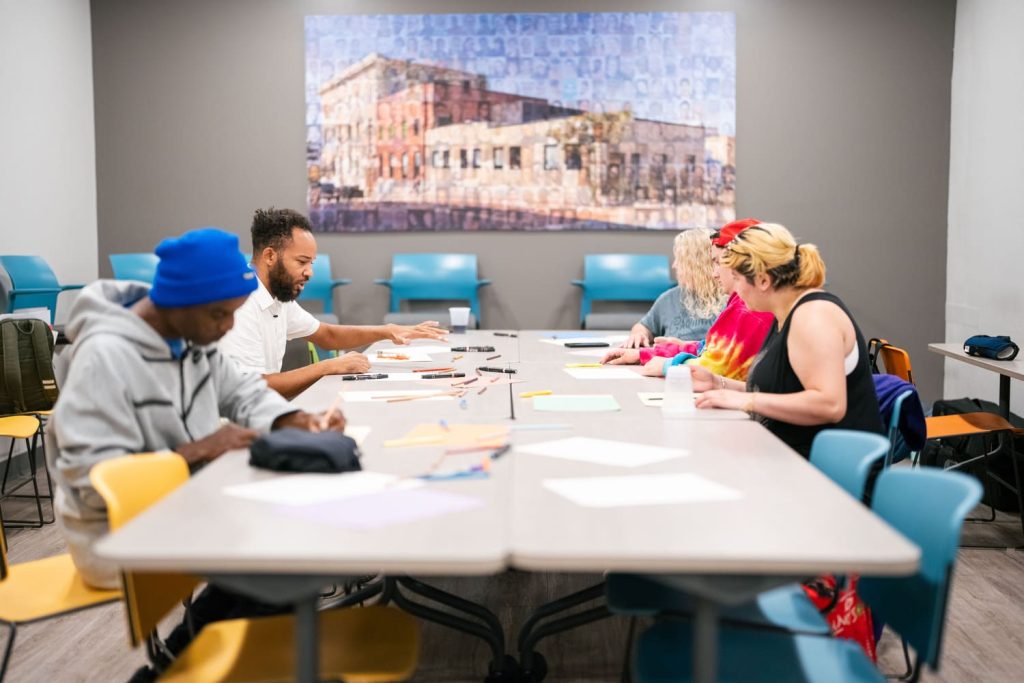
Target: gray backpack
point(26, 362)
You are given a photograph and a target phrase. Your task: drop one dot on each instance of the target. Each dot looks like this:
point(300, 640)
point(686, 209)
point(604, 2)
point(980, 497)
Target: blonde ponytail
point(769, 249)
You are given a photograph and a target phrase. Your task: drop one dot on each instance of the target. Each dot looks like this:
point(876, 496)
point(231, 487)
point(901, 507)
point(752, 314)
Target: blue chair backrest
point(319, 286)
point(896, 442)
point(434, 277)
point(140, 267)
point(846, 457)
point(623, 277)
point(31, 272)
point(928, 506)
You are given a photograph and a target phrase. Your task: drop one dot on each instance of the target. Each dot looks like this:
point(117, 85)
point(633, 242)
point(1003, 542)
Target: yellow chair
point(26, 427)
point(363, 645)
point(41, 589)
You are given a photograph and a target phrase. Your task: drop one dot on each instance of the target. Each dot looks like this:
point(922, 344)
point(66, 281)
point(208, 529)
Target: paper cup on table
point(459, 318)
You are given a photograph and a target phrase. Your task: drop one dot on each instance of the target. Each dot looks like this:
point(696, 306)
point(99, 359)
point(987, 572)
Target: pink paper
point(382, 509)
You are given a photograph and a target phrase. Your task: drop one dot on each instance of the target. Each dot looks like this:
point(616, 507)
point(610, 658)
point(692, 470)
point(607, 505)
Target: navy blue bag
point(995, 348)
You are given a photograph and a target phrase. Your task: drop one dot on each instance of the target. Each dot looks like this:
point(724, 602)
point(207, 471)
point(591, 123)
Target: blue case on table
point(995, 348)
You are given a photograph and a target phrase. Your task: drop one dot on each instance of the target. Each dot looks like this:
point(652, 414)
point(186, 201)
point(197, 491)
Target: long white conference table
point(757, 514)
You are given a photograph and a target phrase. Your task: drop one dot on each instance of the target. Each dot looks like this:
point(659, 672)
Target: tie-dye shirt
point(732, 342)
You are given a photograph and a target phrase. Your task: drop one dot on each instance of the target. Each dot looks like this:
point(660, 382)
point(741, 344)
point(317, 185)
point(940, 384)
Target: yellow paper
point(460, 434)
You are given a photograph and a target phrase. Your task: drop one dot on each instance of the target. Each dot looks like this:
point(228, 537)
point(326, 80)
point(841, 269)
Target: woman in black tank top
point(805, 378)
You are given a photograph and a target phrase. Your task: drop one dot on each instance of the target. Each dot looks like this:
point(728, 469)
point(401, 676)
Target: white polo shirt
point(263, 325)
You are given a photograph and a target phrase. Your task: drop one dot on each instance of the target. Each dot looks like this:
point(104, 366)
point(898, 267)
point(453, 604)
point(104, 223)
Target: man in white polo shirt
point(283, 252)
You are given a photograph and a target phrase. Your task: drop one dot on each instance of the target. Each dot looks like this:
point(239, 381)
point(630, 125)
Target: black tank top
point(772, 373)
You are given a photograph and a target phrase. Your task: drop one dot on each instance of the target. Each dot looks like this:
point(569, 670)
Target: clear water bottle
point(678, 401)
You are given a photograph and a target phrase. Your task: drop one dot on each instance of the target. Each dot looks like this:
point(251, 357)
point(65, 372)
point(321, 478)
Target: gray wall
point(842, 125)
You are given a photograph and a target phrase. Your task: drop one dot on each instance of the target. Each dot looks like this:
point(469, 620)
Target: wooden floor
point(984, 634)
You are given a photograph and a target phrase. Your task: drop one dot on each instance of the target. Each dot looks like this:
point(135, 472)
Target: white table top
point(1010, 368)
point(789, 520)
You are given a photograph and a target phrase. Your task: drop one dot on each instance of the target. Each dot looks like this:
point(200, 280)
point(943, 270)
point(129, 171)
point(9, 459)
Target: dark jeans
point(217, 604)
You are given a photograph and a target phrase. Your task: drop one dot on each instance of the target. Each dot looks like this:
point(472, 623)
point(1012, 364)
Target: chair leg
point(7, 469)
point(12, 629)
point(627, 660)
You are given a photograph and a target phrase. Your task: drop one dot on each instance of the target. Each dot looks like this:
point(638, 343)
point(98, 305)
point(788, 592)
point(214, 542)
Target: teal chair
point(32, 284)
point(322, 285)
point(434, 277)
point(925, 505)
point(622, 277)
point(140, 267)
point(847, 457)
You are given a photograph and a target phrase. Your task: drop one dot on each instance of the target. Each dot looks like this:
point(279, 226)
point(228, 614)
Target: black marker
point(501, 451)
point(379, 375)
point(505, 334)
point(472, 348)
point(508, 371)
point(442, 375)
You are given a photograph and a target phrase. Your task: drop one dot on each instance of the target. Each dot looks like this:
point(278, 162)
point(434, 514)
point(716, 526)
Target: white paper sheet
point(413, 356)
point(603, 451)
point(606, 372)
point(381, 395)
point(358, 432)
point(646, 489)
point(654, 399)
point(590, 353)
point(308, 489)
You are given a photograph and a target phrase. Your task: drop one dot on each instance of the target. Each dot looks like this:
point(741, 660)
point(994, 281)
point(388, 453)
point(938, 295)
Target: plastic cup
point(678, 401)
point(459, 318)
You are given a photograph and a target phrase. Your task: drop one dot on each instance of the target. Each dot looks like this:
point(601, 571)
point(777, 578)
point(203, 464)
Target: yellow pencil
point(530, 394)
point(583, 365)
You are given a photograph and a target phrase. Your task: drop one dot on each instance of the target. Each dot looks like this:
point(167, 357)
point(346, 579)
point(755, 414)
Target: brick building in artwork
point(400, 132)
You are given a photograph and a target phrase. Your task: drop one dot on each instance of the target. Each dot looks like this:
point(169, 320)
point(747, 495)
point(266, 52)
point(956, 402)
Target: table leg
point(1004, 396)
point(307, 641)
point(705, 641)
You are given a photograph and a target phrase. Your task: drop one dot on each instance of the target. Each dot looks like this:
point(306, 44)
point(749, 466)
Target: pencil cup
point(459, 318)
point(679, 401)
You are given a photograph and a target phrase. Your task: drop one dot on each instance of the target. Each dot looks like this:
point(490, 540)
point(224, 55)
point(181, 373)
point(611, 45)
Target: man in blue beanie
point(143, 375)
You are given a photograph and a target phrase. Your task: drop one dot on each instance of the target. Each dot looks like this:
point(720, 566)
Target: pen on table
point(458, 357)
point(509, 371)
point(531, 394)
point(584, 365)
point(378, 375)
point(442, 375)
point(497, 355)
point(501, 451)
point(505, 334)
point(446, 369)
point(325, 420)
point(468, 381)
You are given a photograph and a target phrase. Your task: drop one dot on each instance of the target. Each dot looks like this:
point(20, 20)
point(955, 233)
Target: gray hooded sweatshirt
point(122, 391)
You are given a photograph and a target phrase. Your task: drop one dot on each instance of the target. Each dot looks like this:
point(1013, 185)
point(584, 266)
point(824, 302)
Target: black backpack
point(26, 366)
point(948, 451)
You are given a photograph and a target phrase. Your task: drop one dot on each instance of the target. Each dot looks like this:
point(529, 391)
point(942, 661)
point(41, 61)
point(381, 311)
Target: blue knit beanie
point(199, 267)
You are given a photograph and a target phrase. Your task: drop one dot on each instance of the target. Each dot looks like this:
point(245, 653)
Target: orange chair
point(896, 361)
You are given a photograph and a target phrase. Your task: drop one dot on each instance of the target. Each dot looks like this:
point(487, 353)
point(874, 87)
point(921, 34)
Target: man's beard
point(281, 286)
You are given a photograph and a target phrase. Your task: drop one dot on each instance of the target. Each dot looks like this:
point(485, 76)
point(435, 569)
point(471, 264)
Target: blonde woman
point(812, 372)
point(687, 310)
